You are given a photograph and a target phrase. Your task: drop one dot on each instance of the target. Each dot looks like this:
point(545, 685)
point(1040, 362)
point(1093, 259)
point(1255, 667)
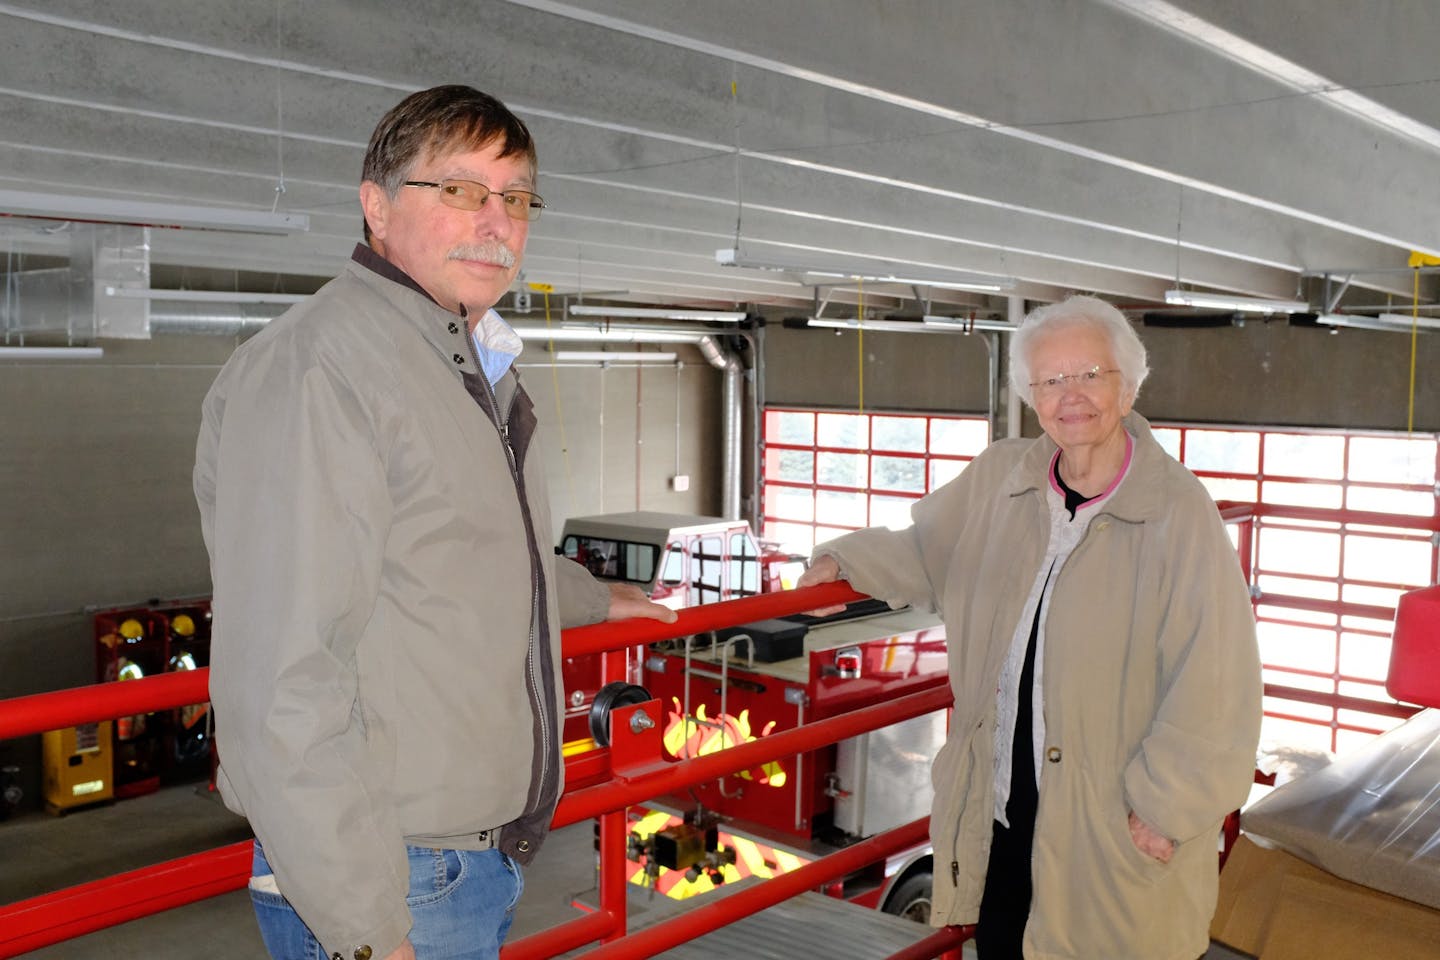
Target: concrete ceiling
point(1111, 147)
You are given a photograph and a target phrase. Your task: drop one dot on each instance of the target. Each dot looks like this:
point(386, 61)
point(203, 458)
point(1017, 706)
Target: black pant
point(1005, 904)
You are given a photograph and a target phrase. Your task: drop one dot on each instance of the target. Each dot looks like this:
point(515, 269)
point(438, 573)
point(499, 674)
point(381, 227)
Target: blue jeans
point(461, 902)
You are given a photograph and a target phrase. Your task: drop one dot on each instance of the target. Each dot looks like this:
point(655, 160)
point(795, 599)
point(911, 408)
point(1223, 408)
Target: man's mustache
point(493, 252)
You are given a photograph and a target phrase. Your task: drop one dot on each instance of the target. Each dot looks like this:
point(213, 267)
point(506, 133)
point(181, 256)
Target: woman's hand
point(1150, 841)
point(824, 570)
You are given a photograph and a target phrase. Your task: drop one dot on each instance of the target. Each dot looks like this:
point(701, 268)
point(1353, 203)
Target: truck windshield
point(614, 559)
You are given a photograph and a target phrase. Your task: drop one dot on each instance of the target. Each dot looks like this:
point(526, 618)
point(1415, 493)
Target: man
point(387, 601)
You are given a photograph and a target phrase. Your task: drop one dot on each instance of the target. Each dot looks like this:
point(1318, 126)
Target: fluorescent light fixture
point(1389, 322)
point(952, 280)
point(51, 353)
point(1404, 321)
point(204, 296)
point(941, 325)
point(614, 356)
point(592, 333)
point(651, 313)
point(60, 206)
point(1221, 301)
point(994, 285)
point(963, 324)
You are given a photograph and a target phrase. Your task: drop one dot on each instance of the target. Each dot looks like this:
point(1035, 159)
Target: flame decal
point(700, 736)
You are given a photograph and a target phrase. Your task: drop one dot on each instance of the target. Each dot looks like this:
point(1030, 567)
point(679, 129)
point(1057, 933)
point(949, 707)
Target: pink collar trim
point(1124, 468)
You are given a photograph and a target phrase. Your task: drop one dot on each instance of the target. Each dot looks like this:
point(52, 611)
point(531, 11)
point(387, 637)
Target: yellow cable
point(555, 382)
point(860, 341)
point(1414, 346)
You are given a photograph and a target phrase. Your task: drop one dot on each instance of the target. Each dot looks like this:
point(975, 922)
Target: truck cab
point(678, 559)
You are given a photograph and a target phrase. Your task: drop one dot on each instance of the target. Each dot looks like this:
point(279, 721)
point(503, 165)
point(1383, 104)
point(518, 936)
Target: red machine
point(1414, 674)
point(762, 678)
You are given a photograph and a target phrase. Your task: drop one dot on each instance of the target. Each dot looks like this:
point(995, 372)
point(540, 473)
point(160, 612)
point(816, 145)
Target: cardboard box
point(1275, 906)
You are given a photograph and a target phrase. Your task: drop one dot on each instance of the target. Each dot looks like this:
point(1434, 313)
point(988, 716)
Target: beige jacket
point(1151, 692)
point(387, 611)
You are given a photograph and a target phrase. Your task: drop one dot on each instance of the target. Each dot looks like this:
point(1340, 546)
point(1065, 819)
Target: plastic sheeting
point(1372, 817)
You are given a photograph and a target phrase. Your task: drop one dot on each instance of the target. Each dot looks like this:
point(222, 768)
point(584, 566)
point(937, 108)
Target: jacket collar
point(369, 259)
point(1137, 499)
point(445, 331)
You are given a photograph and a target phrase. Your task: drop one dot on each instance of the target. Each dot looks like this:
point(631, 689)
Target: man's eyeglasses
point(469, 195)
point(1086, 381)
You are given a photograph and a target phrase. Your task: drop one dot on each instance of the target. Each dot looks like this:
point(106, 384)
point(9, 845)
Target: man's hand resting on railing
point(823, 570)
point(628, 600)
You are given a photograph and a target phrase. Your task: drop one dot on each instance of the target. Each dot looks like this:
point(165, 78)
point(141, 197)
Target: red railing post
point(613, 881)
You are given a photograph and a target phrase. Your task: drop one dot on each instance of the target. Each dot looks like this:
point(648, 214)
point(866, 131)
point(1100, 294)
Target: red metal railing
point(600, 783)
point(1243, 516)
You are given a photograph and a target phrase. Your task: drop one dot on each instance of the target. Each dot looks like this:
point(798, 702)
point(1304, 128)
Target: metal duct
point(212, 319)
point(719, 358)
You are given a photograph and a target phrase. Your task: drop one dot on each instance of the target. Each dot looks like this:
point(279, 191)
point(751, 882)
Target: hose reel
point(612, 695)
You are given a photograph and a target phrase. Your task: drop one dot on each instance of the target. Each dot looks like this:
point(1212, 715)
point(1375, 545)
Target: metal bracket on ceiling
point(821, 302)
point(1332, 301)
point(921, 299)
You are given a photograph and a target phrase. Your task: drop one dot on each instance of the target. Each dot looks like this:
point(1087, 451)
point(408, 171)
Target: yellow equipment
point(78, 766)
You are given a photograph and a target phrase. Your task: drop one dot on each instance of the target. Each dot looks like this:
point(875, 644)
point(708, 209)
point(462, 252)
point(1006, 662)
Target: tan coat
point(1151, 692)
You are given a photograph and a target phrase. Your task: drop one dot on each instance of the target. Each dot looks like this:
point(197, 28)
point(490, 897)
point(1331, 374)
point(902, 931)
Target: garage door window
point(1345, 523)
point(828, 473)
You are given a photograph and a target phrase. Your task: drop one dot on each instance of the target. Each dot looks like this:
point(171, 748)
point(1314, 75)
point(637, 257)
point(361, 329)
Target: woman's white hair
point(1077, 311)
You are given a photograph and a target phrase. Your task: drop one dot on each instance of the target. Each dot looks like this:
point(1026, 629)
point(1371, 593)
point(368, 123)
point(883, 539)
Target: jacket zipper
point(537, 697)
point(955, 842)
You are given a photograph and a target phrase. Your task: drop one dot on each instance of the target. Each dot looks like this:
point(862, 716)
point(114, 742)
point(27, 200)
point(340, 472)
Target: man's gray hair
point(1077, 311)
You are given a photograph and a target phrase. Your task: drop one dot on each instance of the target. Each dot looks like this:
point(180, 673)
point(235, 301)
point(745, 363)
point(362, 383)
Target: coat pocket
point(1111, 819)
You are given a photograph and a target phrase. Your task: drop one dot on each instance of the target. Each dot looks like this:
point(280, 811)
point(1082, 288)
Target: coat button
point(523, 846)
point(1053, 754)
point(459, 359)
point(362, 952)
point(453, 327)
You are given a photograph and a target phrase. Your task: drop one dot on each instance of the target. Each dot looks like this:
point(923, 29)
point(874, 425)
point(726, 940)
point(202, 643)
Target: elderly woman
point(1102, 656)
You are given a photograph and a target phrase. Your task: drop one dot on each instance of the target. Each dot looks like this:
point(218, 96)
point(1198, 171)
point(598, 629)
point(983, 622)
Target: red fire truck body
point(758, 679)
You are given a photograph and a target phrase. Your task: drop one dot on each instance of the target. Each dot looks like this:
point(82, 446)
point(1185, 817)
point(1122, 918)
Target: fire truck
point(748, 682)
point(679, 560)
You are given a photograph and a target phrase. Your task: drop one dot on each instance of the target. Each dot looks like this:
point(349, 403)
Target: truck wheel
point(911, 899)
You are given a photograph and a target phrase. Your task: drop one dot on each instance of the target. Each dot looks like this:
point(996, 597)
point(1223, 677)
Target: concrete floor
point(40, 854)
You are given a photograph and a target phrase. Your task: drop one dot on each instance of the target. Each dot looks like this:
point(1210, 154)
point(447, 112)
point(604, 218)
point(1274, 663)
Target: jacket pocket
point(1113, 819)
point(950, 776)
